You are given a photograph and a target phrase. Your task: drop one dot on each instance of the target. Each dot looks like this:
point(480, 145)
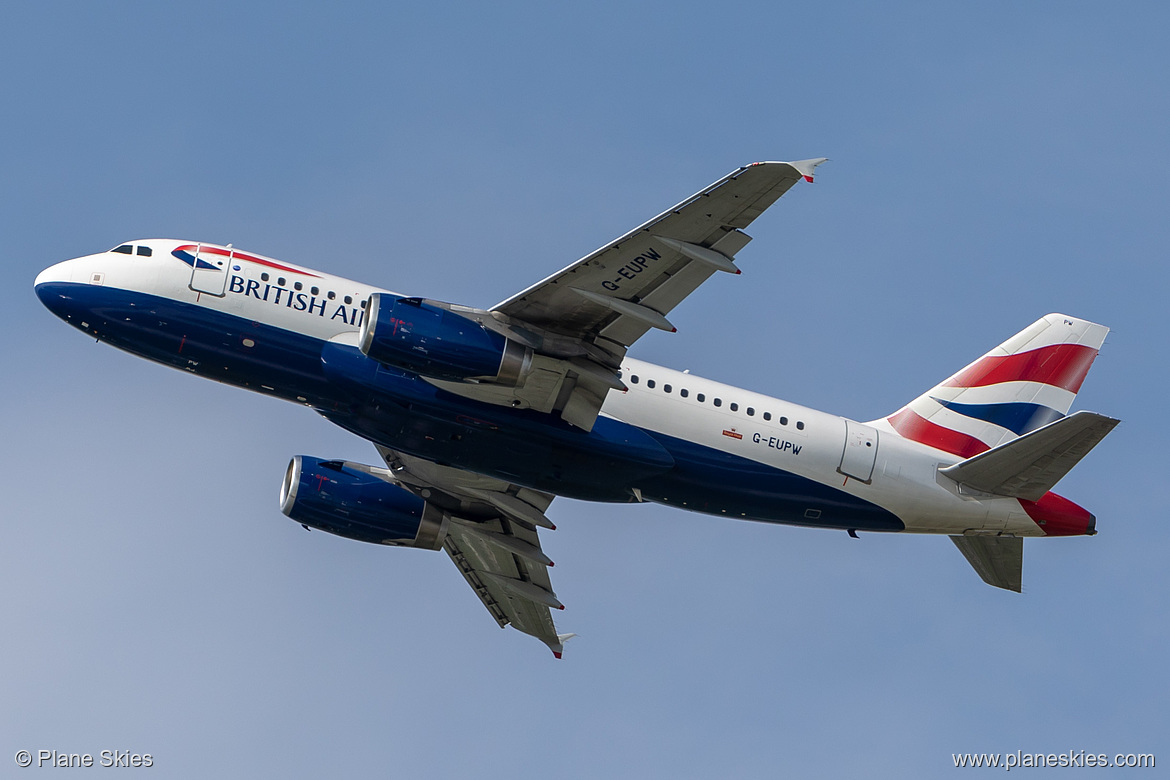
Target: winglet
point(559, 647)
point(806, 167)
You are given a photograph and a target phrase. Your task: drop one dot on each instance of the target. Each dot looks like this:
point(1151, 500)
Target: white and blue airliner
point(484, 416)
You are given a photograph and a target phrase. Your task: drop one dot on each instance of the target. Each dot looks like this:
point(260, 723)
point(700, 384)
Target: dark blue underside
point(400, 411)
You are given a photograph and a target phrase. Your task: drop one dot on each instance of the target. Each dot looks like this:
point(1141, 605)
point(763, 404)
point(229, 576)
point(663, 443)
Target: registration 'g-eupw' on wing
point(605, 301)
point(612, 296)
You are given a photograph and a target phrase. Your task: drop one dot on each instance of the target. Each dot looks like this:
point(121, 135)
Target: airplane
point(483, 416)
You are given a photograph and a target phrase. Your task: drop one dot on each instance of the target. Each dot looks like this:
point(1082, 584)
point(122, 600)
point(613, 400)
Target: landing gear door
point(861, 443)
point(210, 273)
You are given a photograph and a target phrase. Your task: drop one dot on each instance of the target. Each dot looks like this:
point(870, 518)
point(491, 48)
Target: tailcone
point(1057, 516)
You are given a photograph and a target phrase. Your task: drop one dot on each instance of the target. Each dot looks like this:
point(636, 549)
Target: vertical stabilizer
point(1025, 383)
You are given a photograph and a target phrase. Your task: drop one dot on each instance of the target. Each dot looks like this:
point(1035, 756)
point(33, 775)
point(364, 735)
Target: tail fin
point(1026, 382)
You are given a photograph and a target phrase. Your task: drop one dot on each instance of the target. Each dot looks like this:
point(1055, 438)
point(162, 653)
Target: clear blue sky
point(989, 165)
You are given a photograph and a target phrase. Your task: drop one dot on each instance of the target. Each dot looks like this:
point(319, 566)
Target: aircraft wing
point(492, 539)
point(609, 298)
point(585, 316)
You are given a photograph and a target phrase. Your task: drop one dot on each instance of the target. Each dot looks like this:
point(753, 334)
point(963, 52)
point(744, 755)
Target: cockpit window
point(145, 251)
point(125, 249)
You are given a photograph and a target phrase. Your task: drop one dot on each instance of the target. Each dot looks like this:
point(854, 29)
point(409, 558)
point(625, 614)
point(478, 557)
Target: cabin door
point(210, 272)
point(861, 443)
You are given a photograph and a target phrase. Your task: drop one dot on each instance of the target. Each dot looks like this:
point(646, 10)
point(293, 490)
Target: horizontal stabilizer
point(999, 560)
point(1028, 467)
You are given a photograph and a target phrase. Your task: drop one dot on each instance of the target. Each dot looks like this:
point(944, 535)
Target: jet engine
point(359, 502)
point(437, 342)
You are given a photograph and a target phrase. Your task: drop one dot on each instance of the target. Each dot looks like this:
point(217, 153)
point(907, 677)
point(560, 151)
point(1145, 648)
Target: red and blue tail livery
point(481, 417)
point(1023, 384)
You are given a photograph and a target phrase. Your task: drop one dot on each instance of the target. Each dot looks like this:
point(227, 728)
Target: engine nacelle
point(351, 500)
point(418, 336)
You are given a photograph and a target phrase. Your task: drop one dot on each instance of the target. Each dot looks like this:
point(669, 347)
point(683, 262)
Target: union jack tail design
point(1026, 382)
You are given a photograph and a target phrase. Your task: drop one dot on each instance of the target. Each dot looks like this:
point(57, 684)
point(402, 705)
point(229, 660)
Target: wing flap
point(584, 402)
point(506, 584)
point(492, 539)
point(665, 297)
point(998, 560)
point(467, 568)
point(1031, 465)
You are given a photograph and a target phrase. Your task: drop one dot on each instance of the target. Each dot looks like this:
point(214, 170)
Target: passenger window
point(751, 412)
point(701, 397)
point(125, 249)
point(298, 286)
point(683, 392)
point(666, 388)
point(718, 402)
point(315, 291)
point(348, 300)
point(634, 379)
point(650, 383)
point(280, 281)
point(145, 251)
point(264, 277)
point(735, 407)
point(783, 420)
point(332, 295)
point(363, 304)
point(767, 415)
point(799, 425)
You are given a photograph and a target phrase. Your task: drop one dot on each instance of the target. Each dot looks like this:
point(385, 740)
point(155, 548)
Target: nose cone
point(52, 286)
point(61, 272)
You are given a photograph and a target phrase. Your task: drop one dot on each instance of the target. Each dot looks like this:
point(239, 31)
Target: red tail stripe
point(1061, 365)
point(915, 427)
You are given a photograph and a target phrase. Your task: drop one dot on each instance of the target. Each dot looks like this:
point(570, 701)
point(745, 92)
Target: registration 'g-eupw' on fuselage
point(483, 416)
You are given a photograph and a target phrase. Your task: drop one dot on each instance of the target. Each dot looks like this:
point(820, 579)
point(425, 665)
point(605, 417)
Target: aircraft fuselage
point(671, 437)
